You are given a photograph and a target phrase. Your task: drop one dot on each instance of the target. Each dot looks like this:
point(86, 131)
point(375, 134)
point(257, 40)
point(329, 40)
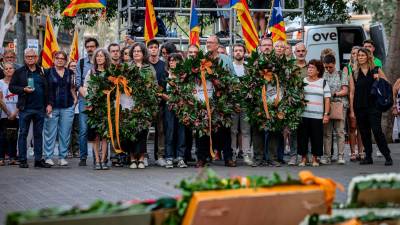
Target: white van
point(341, 38)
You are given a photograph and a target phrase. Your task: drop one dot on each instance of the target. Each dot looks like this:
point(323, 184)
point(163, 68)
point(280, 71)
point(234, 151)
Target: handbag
point(336, 112)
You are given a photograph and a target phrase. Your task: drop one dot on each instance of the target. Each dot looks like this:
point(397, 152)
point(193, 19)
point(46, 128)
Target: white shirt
point(315, 95)
point(9, 99)
point(239, 69)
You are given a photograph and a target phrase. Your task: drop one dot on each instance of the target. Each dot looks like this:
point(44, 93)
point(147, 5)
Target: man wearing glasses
point(9, 57)
point(30, 84)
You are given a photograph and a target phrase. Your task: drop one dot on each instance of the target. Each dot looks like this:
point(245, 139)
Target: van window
point(348, 37)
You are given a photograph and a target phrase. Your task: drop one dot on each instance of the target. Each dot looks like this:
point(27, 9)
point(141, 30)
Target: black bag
point(382, 91)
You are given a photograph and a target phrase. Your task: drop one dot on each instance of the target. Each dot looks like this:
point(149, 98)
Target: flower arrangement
point(134, 90)
point(275, 77)
point(187, 93)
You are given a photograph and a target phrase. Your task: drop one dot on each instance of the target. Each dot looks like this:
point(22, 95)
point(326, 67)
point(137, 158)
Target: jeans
point(59, 125)
point(367, 120)
point(25, 118)
point(280, 144)
point(338, 125)
point(238, 121)
point(8, 138)
point(83, 130)
point(174, 136)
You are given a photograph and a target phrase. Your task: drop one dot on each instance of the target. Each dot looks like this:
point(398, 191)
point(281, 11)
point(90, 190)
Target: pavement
point(23, 189)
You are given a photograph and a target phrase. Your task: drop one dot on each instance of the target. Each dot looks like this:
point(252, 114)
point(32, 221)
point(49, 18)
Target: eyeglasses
point(300, 50)
point(211, 42)
point(58, 58)
point(9, 57)
point(126, 53)
point(30, 56)
point(90, 46)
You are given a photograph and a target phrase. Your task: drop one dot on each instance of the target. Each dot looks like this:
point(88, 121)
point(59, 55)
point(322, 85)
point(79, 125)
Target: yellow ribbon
point(328, 185)
point(205, 66)
point(120, 80)
point(268, 77)
point(353, 221)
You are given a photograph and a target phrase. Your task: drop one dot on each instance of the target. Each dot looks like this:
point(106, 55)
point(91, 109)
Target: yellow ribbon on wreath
point(268, 76)
point(205, 66)
point(116, 81)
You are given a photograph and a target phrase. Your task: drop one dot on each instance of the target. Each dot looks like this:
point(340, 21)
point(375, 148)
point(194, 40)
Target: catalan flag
point(150, 24)
point(74, 54)
point(49, 46)
point(249, 30)
point(276, 23)
point(75, 5)
point(194, 36)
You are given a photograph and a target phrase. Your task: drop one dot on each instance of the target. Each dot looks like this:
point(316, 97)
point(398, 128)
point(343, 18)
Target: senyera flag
point(150, 24)
point(50, 45)
point(74, 53)
point(75, 5)
point(276, 24)
point(250, 35)
point(194, 35)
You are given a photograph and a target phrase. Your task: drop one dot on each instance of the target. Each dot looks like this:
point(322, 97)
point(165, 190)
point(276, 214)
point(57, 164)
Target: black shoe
point(389, 161)
point(366, 161)
point(41, 164)
point(82, 162)
point(230, 163)
point(23, 164)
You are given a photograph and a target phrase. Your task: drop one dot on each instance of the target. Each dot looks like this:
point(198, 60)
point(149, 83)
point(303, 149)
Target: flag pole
point(270, 13)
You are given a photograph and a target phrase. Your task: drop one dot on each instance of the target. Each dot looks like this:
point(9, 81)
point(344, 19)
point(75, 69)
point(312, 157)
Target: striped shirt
point(314, 94)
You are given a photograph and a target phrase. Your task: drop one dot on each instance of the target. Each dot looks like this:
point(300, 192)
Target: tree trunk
point(5, 24)
point(392, 69)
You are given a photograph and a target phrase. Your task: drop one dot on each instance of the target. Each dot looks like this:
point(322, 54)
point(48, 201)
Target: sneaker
point(50, 162)
point(23, 164)
point(62, 162)
point(315, 164)
point(389, 162)
point(41, 164)
point(181, 164)
point(341, 160)
point(302, 164)
point(97, 166)
point(146, 162)
point(13, 162)
point(169, 164)
point(273, 163)
point(82, 162)
point(104, 166)
point(248, 161)
point(161, 162)
point(141, 165)
point(366, 161)
point(325, 161)
point(379, 154)
point(2, 163)
point(133, 165)
point(292, 161)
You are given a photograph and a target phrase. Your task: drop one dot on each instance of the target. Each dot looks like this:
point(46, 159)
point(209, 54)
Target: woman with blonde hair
point(363, 107)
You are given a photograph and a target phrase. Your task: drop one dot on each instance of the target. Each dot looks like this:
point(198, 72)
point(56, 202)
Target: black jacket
point(20, 80)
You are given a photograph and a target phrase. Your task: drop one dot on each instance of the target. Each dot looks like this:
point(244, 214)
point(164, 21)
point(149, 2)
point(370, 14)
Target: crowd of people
point(53, 100)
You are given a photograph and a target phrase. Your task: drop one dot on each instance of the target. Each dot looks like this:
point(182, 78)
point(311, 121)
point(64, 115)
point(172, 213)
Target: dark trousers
point(74, 146)
point(223, 138)
point(175, 140)
point(258, 140)
point(25, 118)
point(367, 120)
point(8, 138)
point(310, 130)
point(277, 137)
point(188, 143)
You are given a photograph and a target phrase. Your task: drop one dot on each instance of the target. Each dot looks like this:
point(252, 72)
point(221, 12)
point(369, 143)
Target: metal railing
point(180, 11)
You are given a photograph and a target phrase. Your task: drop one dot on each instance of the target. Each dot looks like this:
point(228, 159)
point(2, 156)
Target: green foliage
point(87, 17)
point(374, 184)
point(144, 94)
point(367, 218)
point(288, 111)
point(192, 112)
point(382, 11)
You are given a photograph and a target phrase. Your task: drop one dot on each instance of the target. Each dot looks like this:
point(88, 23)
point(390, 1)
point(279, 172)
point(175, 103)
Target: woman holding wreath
point(101, 62)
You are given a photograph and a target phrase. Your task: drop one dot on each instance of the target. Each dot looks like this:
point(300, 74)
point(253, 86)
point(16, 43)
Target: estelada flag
point(250, 35)
point(150, 24)
point(49, 46)
point(75, 5)
point(74, 53)
point(276, 24)
point(194, 35)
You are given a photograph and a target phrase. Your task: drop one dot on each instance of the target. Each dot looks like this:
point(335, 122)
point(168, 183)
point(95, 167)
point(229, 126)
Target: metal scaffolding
point(125, 21)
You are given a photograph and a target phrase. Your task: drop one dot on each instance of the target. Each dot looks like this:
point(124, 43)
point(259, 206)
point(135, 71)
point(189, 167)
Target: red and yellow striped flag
point(150, 24)
point(250, 35)
point(49, 46)
point(75, 5)
point(74, 54)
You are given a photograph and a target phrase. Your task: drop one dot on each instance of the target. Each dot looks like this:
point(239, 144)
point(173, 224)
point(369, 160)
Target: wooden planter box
point(283, 205)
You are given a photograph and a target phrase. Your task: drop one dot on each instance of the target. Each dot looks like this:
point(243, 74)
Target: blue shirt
point(36, 99)
point(60, 90)
point(80, 78)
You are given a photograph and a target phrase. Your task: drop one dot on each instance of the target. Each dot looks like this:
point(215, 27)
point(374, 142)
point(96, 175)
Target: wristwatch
point(326, 114)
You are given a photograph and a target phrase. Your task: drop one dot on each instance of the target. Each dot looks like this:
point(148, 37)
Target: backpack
point(382, 90)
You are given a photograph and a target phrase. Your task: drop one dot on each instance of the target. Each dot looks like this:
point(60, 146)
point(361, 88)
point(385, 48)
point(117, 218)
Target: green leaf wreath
point(144, 95)
point(287, 112)
point(192, 112)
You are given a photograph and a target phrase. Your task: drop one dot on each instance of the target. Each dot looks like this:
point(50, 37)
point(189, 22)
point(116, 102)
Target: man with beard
point(238, 118)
